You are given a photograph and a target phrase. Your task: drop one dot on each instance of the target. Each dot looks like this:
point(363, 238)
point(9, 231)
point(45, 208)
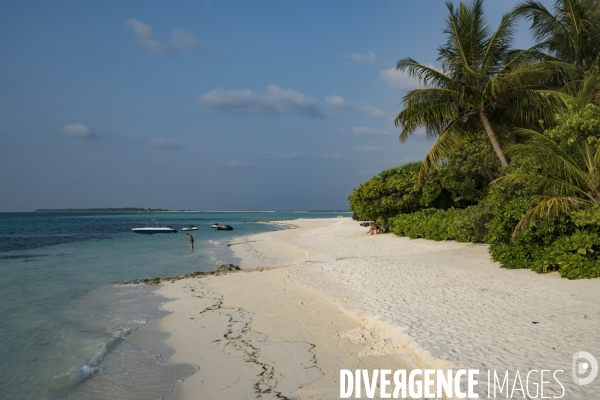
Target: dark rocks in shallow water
point(226, 267)
point(152, 282)
point(220, 270)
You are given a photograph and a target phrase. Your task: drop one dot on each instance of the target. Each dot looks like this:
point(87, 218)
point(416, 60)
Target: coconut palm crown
point(569, 32)
point(485, 86)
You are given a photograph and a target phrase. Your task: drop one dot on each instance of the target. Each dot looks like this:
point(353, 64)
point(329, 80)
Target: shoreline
point(352, 301)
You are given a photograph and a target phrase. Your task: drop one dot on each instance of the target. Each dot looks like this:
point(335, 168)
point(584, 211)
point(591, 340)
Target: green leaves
point(484, 86)
point(575, 256)
point(462, 225)
point(568, 178)
point(390, 193)
point(570, 32)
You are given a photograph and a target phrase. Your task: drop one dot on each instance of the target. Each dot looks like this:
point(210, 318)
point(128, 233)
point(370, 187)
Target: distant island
point(125, 209)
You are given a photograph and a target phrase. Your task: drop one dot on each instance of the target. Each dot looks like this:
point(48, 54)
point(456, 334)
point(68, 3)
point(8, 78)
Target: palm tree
point(484, 86)
point(570, 32)
point(569, 178)
point(567, 182)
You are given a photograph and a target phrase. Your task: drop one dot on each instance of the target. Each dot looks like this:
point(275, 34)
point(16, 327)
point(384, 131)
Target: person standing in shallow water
point(191, 241)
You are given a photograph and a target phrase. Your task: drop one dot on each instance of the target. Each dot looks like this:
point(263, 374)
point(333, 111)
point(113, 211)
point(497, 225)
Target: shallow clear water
point(67, 330)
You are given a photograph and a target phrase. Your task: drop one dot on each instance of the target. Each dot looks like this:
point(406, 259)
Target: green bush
point(428, 224)
point(528, 245)
point(463, 225)
point(461, 181)
point(390, 193)
point(569, 245)
point(473, 224)
point(575, 255)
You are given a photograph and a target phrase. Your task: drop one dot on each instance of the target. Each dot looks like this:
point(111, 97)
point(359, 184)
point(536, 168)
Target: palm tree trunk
point(488, 128)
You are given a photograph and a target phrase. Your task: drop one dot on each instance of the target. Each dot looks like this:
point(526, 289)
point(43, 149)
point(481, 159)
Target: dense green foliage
point(485, 86)
point(570, 246)
point(462, 181)
point(539, 211)
point(387, 194)
point(453, 224)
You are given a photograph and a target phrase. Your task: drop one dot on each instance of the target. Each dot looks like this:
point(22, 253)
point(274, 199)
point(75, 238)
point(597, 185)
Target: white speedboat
point(152, 227)
point(189, 228)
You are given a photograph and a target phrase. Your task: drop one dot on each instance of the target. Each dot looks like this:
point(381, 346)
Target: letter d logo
point(582, 367)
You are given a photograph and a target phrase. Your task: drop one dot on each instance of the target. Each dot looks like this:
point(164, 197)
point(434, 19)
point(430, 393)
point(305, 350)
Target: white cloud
point(140, 29)
point(164, 143)
point(367, 148)
point(370, 131)
point(274, 101)
point(340, 102)
point(191, 150)
point(399, 79)
point(370, 110)
point(234, 163)
point(183, 41)
point(180, 39)
point(370, 57)
point(337, 101)
point(155, 46)
point(77, 130)
point(334, 156)
point(293, 154)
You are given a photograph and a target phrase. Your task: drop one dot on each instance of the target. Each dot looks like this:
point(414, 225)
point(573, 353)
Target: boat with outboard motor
point(152, 227)
point(189, 228)
point(219, 227)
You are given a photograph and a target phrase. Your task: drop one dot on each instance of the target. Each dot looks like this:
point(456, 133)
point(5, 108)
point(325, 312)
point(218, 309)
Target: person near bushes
point(374, 228)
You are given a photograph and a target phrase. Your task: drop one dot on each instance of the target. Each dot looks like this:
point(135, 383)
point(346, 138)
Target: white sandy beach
point(341, 299)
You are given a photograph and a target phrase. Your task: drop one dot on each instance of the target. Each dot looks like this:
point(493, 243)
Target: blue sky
point(229, 105)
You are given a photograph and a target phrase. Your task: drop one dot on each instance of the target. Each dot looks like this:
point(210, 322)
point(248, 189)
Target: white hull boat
point(151, 229)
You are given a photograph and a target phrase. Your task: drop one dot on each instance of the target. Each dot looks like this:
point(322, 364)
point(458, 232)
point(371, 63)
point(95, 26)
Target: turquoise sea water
point(67, 330)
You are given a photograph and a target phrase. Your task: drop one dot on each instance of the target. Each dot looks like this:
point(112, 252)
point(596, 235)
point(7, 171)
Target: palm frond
point(545, 186)
point(556, 161)
point(449, 140)
point(570, 32)
point(466, 29)
point(429, 108)
point(427, 75)
point(548, 206)
point(499, 43)
point(585, 95)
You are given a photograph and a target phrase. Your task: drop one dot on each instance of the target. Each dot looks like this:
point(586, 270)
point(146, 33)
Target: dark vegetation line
point(516, 157)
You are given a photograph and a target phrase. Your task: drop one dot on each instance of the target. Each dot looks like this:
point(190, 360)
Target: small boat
point(189, 228)
point(152, 227)
point(219, 227)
